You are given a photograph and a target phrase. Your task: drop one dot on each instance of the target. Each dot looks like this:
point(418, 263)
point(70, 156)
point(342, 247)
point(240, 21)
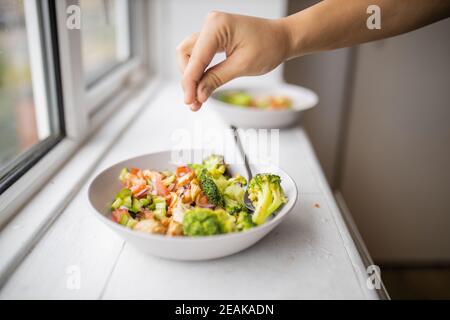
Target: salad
point(194, 200)
point(265, 102)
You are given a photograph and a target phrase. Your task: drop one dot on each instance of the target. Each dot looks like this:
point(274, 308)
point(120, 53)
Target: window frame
point(82, 109)
point(45, 78)
point(97, 93)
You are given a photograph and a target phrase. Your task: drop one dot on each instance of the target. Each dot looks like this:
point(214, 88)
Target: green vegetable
point(136, 206)
point(221, 183)
point(123, 174)
point(160, 207)
point(234, 198)
point(238, 179)
point(244, 221)
point(144, 202)
point(210, 189)
point(169, 180)
point(127, 221)
point(127, 202)
point(131, 223)
point(267, 196)
point(116, 204)
point(239, 98)
point(205, 222)
point(232, 191)
point(214, 164)
point(123, 219)
point(123, 198)
point(123, 193)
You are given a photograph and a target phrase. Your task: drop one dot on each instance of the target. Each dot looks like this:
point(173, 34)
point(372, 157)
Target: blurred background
point(381, 130)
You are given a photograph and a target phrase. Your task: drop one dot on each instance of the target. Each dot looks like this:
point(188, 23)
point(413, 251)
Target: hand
point(253, 46)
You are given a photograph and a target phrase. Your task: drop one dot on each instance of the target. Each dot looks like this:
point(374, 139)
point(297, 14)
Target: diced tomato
point(160, 187)
point(168, 199)
point(181, 171)
point(117, 214)
point(203, 200)
point(134, 171)
point(136, 189)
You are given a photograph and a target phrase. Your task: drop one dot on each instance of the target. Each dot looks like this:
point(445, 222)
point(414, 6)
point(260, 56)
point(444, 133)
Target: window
point(29, 119)
point(55, 80)
point(105, 36)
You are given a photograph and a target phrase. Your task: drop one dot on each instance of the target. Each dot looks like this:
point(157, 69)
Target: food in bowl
point(264, 102)
point(194, 200)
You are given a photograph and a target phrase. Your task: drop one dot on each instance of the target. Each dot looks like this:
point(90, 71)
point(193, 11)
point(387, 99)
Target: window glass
point(105, 36)
point(24, 113)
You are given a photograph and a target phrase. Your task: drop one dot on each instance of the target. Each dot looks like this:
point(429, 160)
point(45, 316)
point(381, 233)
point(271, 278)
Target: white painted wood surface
point(310, 255)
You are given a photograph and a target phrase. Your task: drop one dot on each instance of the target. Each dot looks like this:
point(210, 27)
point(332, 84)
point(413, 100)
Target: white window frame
point(85, 108)
point(125, 74)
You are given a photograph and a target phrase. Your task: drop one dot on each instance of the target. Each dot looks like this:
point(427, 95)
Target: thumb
point(217, 76)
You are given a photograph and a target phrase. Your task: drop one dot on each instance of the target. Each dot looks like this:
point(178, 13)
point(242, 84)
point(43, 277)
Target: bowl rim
point(287, 208)
point(294, 109)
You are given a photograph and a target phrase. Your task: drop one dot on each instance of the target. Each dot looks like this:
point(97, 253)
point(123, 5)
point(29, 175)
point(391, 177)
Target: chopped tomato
point(168, 199)
point(134, 171)
point(117, 214)
point(140, 190)
point(160, 187)
point(203, 200)
point(181, 171)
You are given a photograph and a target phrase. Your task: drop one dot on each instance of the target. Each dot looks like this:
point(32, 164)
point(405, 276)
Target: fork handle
point(241, 150)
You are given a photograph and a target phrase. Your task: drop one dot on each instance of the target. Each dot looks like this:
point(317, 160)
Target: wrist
point(294, 36)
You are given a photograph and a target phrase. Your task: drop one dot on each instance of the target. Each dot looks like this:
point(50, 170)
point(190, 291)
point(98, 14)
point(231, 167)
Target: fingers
point(217, 76)
point(203, 52)
point(184, 50)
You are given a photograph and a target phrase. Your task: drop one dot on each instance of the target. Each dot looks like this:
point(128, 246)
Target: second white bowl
point(243, 117)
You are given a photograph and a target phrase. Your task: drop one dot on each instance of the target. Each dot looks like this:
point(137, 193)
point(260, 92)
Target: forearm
point(333, 24)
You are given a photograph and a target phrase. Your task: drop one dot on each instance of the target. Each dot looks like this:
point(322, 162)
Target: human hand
point(253, 46)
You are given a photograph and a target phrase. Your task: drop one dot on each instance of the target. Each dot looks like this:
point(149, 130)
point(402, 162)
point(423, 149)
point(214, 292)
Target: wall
point(180, 18)
point(396, 174)
point(327, 74)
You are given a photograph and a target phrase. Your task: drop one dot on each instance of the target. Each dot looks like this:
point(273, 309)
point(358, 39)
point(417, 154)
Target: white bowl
point(104, 186)
point(302, 99)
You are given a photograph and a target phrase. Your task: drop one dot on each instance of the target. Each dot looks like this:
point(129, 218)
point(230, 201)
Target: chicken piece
point(179, 211)
point(165, 221)
point(184, 180)
point(186, 196)
point(175, 229)
point(150, 226)
point(195, 189)
point(147, 214)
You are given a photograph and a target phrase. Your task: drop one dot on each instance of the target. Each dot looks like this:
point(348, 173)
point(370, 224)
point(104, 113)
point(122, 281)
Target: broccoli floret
point(210, 189)
point(238, 179)
point(221, 183)
point(267, 196)
point(234, 198)
point(214, 164)
point(244, 221)
point(206, 222)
